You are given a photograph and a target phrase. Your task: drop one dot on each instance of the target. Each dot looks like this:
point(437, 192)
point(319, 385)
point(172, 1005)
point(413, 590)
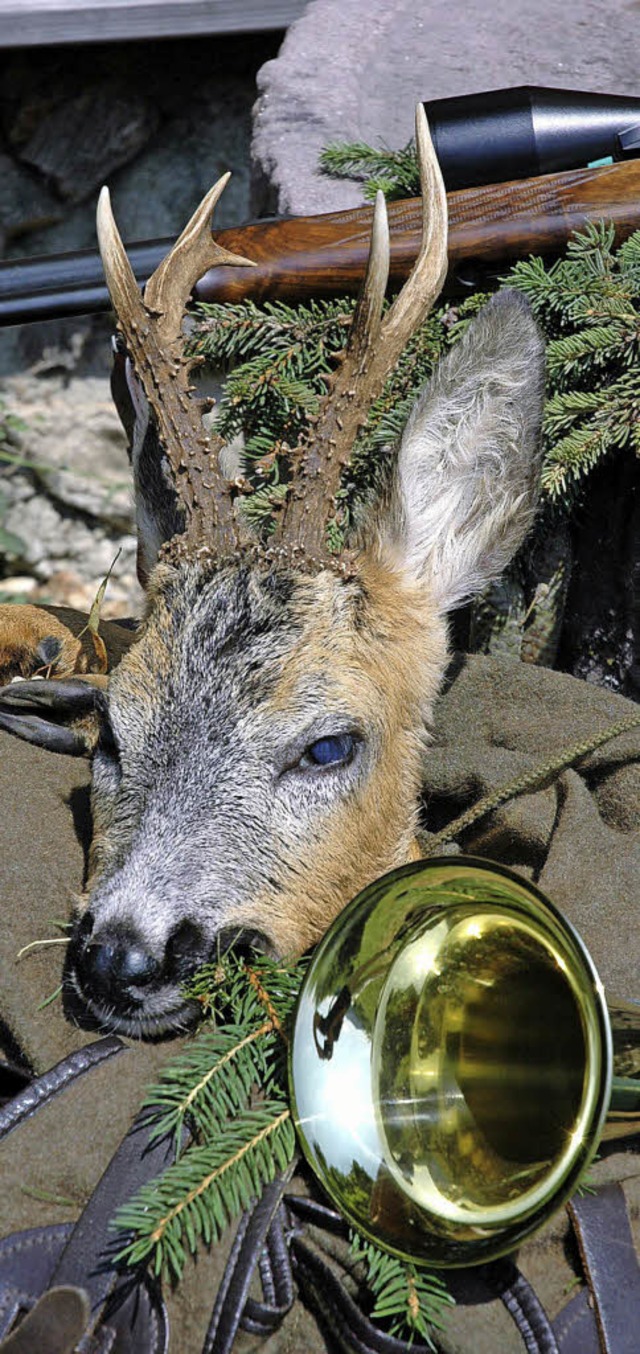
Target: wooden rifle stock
point(301, 257)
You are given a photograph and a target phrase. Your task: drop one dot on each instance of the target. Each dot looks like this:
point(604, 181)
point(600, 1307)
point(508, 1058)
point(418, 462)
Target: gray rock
point(156, 194)
point(62, 548)
point(74, 445)
point(85, 138)
point(33, 85)
point(25, 202)
point(356, 71)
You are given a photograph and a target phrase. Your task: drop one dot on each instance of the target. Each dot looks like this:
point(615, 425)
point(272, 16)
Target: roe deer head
point(257, 753)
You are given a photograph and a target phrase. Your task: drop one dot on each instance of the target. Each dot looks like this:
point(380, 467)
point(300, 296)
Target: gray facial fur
point(201, 790)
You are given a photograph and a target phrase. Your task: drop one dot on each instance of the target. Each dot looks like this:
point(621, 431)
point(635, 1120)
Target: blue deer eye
point(334, 750)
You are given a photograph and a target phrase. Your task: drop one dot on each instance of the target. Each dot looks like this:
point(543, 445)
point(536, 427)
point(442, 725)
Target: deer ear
point(465, 485)
point(60, 715)
point(159, 515)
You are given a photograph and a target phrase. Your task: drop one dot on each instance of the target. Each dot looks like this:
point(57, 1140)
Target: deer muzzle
point(116, 977)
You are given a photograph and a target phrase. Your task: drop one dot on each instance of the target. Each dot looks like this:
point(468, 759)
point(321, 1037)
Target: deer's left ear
point(63, 715)
point(464, 492)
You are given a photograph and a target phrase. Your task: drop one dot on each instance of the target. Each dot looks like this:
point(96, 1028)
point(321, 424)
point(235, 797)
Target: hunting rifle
point(298, 258)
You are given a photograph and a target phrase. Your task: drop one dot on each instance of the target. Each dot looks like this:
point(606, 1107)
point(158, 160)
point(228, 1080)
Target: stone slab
point(355, 69)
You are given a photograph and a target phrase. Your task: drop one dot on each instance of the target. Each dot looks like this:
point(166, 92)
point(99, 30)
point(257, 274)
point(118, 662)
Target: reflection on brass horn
point(453, 1061)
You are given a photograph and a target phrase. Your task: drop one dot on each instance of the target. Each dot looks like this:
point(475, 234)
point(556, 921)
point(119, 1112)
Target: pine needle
point(42, 1006)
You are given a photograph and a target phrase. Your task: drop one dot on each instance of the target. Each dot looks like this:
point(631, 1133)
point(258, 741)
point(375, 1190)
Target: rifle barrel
point(298, 258)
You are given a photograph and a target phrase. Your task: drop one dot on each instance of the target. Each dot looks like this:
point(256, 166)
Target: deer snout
point(134, 983)
point(114, 964)
point(117, 969)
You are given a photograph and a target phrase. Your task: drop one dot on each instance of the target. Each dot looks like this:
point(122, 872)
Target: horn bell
point(452, 1061)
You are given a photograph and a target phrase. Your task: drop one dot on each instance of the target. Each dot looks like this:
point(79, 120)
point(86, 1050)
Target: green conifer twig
point(408, 1299)
point(588, 303)
point(231, 1085)
point(394, 172)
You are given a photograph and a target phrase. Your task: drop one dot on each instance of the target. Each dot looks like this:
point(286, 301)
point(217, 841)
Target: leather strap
point(505, 1280)
point(344, 1324)
point(357, 1335)
point(127, 1312)
point(86, 1259)
point(247, 1250)
point(610, 1265)
point(27, 1260)
point(575, 1327)
point(262, 1318)
point(44, 1088)
point(136, 1325)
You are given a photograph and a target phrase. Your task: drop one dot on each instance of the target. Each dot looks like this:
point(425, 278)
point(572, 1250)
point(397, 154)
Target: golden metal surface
point(452, 1061)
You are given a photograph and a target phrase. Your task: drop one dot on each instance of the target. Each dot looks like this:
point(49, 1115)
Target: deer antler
point(374, 347)
point(152, 329)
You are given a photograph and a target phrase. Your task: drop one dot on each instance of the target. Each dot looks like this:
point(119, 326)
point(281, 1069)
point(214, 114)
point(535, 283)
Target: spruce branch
point(394, 172)
point(196, 1198)
point(231, 1085)
point(408, 1300)
point(284, 356)
point(213, 1078)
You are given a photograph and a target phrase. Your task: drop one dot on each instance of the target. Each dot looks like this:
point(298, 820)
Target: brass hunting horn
point(454, 1061)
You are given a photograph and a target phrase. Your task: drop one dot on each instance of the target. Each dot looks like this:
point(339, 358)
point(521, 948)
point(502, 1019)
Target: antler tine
point(426, 279)
point(372, 352)
point(195, 251)
point(123, 288)
point(328, 445)
point(151, 327)
point(365, 325)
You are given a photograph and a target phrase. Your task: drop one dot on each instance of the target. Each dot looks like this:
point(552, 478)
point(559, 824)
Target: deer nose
point(123, 964)
point(117, 962)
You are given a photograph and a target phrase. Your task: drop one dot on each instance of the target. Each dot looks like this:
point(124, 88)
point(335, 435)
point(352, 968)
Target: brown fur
point(388, 667)
point(22, 631)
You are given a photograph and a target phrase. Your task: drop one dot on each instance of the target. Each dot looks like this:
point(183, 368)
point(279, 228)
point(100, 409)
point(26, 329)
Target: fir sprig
point(283, 358)
point(407, 1299)
point(239, 1047)
point(277, 358)
point(195, 1199)
point(588, 303)
point(394, 172)
point(214, 1078)
point(239, 1142)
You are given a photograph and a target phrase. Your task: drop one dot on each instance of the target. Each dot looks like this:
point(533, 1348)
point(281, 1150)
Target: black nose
point(116, 964)
point(186, 950)
point(123, 963)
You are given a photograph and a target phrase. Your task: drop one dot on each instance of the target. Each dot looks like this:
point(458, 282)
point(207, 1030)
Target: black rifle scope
point(519, 133)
